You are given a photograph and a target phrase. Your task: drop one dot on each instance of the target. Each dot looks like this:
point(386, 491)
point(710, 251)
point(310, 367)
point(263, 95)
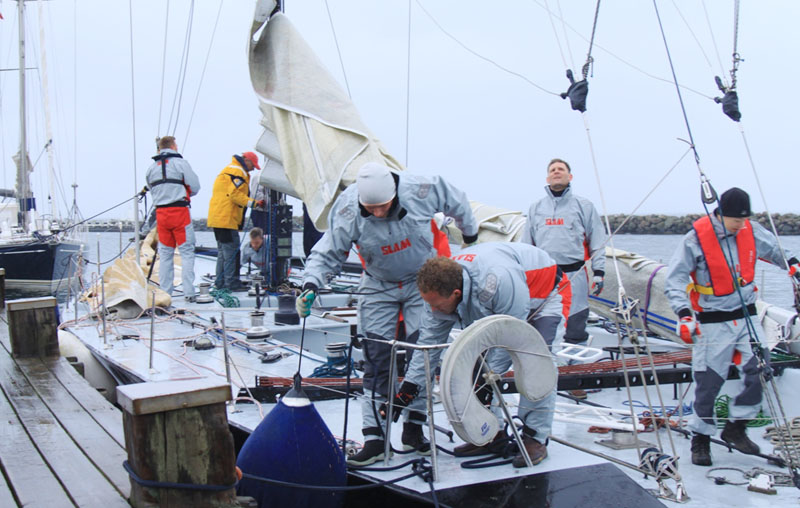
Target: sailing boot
point(414, 439)
point(536, 450)
point(371, 452)
point(471, 450)
point(734, 434)
point(701, 450)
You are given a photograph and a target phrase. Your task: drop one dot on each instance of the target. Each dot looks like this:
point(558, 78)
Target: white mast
point(23, 185)
point(47, 119)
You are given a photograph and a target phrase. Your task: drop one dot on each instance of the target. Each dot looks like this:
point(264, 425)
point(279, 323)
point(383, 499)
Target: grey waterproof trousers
point(379, 309)
point(712, 355)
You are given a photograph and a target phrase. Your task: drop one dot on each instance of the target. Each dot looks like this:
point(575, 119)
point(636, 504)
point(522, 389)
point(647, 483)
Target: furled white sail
point(314, 138)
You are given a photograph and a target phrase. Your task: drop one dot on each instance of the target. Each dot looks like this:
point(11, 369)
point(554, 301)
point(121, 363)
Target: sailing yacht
point(40, 255)
point(331, 141)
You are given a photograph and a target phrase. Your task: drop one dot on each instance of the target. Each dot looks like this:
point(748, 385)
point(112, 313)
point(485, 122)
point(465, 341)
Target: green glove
point(304, 302)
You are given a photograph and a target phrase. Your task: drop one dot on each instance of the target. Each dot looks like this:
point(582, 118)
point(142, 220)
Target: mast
point(47, 118)
point(22, 167)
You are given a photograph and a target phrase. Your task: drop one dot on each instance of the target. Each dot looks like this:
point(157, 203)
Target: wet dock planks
point(61, 442)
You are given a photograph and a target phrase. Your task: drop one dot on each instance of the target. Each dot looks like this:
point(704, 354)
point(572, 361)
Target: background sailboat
point(40, 253)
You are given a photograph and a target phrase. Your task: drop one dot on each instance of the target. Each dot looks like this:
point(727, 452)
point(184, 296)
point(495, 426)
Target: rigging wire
point(338, 49)
point(163, 70)
point(555, 33)
point(566, 39)
point(589, 58)
point(178, 97)
point(202, 75)
point(74, 207)
point(656, 186)
point(408, 81)
point(59, 148)
point(625, 62)
point(694, 36)
point(626, 307)
point(714, 41)
point(764, 200)
point(678, 89)
point(2, 94)
point(133, 128)
point(478, 55)
point(776, 407)
point(736, 58)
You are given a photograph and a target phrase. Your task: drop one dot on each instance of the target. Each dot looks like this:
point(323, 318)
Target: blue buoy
point(292, 444)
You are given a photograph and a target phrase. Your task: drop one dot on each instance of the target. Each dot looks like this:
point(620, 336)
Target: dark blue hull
point(39, 267)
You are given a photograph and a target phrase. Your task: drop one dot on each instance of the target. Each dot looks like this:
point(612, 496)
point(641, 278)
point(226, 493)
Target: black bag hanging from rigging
point(577, 92)
point(729, 101)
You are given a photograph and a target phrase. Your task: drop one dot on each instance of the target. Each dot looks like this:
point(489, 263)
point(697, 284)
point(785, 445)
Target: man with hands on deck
point(389, 218)
point(713, 312)
point(491, 278)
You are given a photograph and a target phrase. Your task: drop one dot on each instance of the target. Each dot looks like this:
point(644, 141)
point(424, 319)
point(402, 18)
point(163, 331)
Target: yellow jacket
point(230, 196)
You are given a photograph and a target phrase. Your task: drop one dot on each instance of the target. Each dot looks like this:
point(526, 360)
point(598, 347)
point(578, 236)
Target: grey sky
point(487, 131)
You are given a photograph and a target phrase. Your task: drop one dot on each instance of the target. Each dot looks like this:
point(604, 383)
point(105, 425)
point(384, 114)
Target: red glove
point(259, 204)
point(794, 271)
point(687, 328)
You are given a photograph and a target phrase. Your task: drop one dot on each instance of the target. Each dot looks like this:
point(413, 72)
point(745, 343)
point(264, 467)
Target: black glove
point(766, 366)
point(407, 393)
point(142, 192)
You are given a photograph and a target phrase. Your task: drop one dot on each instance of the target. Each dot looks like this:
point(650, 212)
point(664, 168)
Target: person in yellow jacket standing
point(230, 199)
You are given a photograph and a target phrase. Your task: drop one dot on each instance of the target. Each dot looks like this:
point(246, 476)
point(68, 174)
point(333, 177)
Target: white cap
point(375, 184)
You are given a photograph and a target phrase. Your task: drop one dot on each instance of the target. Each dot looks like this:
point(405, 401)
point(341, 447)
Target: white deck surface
point(173, 359)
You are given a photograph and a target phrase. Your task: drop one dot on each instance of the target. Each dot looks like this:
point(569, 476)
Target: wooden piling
point(177, 432)
point(33, 327)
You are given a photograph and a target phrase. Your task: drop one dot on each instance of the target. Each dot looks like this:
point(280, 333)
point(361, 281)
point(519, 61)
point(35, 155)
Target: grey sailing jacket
point(395, 247)
point(565, 227)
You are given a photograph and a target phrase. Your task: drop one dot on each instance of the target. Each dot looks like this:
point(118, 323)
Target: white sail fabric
point(495, 224)
point(314, 141)
point(644, 281)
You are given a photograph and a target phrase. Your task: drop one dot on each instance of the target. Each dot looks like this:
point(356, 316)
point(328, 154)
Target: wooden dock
point(61, 442)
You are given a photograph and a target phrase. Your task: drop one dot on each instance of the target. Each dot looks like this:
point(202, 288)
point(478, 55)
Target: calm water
point(773, 282)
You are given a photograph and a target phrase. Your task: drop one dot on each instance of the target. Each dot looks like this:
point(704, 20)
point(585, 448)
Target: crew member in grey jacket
point(484, 280)
point(388, 216)
point(172, 183)
point(708, 302)
point(569, 228)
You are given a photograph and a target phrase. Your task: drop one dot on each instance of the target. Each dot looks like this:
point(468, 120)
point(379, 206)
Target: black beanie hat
point(734, 202)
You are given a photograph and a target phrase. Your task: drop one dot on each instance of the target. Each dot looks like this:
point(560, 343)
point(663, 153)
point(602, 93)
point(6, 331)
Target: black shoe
point(701, 450)
point(414, 439)
point(371, 452)
point(734, 434)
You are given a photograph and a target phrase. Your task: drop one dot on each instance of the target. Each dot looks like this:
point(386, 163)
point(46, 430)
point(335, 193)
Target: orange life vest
point(720, 273)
